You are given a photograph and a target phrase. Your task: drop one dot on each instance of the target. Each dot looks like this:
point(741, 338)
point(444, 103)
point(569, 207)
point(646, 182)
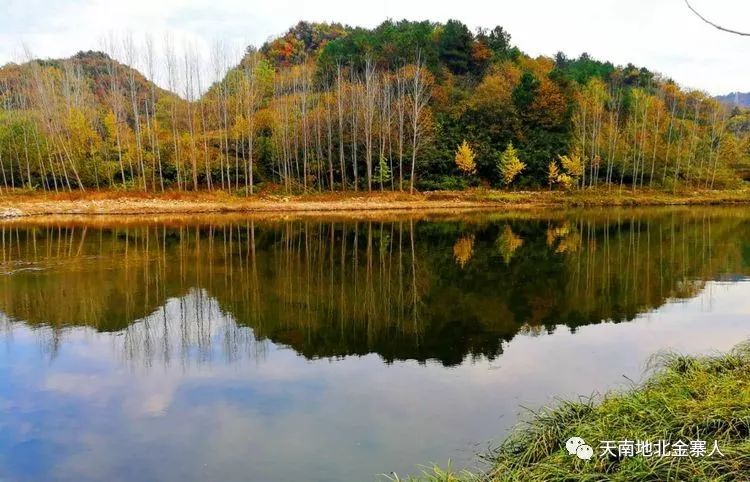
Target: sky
point(662, 35)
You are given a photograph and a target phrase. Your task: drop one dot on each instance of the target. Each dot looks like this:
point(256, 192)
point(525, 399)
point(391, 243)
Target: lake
point(332, 349)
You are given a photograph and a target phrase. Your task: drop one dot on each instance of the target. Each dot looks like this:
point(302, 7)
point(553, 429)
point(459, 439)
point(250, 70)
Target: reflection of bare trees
point(168, 289)
point(359, 279)
point(637, 264)
point(192, 293)
point(191, 329)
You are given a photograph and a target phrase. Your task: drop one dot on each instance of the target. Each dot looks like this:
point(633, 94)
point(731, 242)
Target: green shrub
point(445, 183)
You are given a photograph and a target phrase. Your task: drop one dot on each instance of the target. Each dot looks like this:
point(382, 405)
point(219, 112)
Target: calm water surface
point(332, 350)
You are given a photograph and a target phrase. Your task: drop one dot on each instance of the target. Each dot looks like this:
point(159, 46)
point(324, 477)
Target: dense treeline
point(327, 107)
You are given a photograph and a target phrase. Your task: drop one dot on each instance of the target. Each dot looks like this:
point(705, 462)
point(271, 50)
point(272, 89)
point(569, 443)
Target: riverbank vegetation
point(687, 398)
point(327, 107)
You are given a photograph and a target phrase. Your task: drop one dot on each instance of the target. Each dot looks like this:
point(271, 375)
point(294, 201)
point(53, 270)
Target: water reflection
point(403, 289)
point(220, 348)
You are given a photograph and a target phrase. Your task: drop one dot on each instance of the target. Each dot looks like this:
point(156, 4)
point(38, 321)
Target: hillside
point(335, 107)
point(740, 99)
point(100, 74)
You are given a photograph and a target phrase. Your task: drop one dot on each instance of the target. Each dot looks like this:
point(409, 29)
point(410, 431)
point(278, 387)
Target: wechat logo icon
point(578, 447)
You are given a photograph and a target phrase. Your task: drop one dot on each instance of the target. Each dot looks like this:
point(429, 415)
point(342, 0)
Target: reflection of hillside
point(401, 289)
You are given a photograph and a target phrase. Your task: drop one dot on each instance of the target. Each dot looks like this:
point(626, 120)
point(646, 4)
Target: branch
point(713, 24)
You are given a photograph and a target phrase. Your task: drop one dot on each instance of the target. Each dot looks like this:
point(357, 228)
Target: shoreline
point(23, 204)
point(685, 398)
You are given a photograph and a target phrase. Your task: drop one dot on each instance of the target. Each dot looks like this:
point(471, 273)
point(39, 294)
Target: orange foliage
point(540, 66)
point(497, 86)
point(480, 53)
point(550, 105)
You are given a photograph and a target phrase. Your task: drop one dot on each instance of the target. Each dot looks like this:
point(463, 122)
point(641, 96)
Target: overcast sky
point(660, 34)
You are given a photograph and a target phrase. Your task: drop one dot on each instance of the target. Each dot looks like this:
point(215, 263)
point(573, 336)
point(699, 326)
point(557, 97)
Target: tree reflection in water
point(191, 292)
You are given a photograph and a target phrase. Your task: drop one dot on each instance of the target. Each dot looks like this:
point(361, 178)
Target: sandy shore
point(113, 203)
point(131, 203)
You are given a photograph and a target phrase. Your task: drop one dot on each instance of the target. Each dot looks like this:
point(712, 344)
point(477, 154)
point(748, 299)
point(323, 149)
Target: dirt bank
point(119, 202)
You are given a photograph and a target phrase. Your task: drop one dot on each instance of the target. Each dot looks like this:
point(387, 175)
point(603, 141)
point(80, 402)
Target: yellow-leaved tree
point(573, 167)
point(509, 166)
point(465, 159)
point(553, 173)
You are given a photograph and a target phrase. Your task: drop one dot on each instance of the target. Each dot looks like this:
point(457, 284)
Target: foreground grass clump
point(686, 398)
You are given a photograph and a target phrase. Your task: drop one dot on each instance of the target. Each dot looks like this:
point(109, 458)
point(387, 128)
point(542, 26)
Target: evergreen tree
point(509, 166)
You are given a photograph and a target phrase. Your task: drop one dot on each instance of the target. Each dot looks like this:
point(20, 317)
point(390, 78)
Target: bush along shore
point(689, 421)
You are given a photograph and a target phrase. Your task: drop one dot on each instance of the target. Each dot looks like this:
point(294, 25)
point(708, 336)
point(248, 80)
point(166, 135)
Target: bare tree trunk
point(368, 111)
point(669, 138)
point(419, 98)
point(130, 58)
point(656, 144)
point(190, 96)
point(340, 110)
point(401, 114)
point(353, 107)
point(172, 82)
point(154, 127)
point(329, 133)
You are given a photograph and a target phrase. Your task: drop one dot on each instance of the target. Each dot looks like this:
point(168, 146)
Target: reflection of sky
point(87, 414)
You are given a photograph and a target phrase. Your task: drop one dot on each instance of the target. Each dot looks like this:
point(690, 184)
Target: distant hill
point(736, 99)
point(94, 68)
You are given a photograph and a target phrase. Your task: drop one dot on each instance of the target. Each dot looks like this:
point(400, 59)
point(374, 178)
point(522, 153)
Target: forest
point(328, 107)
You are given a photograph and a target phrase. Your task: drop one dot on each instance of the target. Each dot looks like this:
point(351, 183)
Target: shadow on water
point(404, 288)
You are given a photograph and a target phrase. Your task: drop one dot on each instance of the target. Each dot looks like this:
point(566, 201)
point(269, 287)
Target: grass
point(685, 398)
point(613, 197)
point(437, 474)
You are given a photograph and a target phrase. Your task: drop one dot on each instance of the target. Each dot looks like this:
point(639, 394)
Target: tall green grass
point(685, 398)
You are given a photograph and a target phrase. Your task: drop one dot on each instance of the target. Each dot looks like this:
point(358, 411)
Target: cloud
point(660, 34)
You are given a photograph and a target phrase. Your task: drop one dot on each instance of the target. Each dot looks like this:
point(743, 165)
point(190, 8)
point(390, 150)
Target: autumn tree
point(553, 173)
point(572, 166)
point(509, 166)
point(465, 159)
